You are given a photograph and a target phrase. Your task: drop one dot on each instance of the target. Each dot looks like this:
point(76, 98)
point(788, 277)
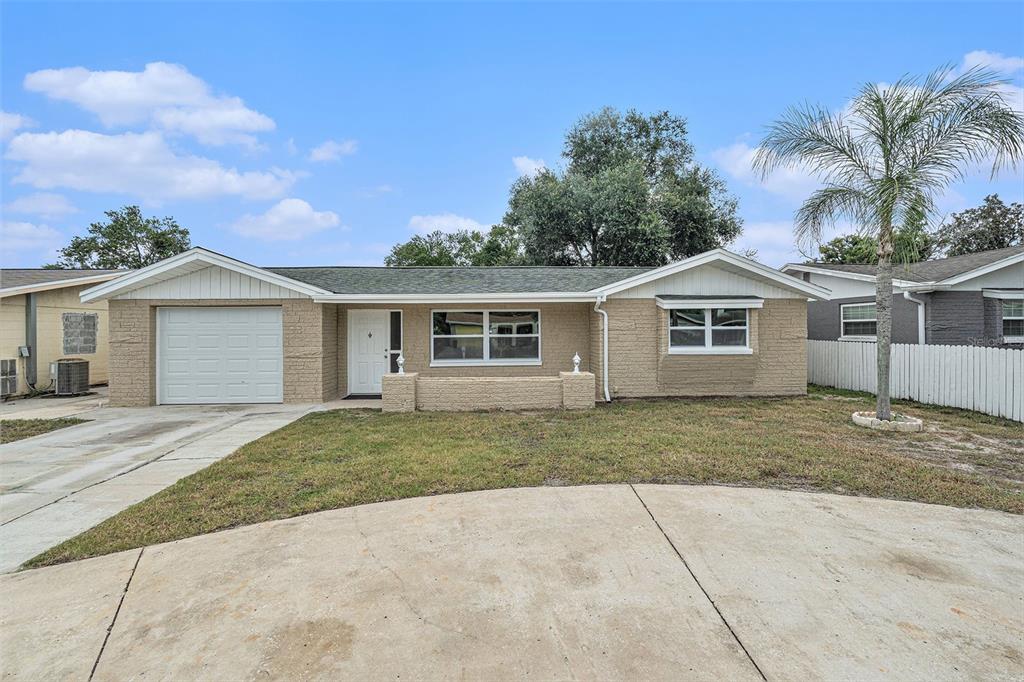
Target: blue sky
point(287, 133)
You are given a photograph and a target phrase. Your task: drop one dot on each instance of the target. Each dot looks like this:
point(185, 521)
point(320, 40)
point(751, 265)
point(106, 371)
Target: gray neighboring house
point(977, 299)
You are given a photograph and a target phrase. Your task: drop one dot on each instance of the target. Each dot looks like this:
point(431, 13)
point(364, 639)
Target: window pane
point(1013, 308)
point(729, 317)
point(459, 349)
point(521, 348)
point(686, 318)
point(859, 312)
point(1013, 327)
point(859, 328)
point(396, 330)
point(687, 337)
point(728, 337)
point(459, 323)
point(511, 322)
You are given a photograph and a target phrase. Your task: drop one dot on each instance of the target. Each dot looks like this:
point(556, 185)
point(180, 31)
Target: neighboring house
point(42, 320)
point(977, 299)
point(204, 328)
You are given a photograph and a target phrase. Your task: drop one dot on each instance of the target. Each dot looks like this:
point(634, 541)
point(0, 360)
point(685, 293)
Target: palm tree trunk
point(883, 308)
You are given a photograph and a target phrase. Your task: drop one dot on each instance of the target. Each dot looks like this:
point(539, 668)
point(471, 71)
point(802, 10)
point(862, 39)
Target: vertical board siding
point(210, 283)
point(989, 380)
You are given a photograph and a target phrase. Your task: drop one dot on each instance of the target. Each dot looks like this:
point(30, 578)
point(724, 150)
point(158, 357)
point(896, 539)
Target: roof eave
point(506, 297)
point(59, 284)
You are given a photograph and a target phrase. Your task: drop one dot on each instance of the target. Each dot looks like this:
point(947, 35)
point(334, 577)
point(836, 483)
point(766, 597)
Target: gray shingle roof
point(23, 277)
point(465, 280)
point(931, 270)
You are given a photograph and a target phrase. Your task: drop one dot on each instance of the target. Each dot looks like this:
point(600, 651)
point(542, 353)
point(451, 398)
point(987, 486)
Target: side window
point(80, 333)
point(1013, 321)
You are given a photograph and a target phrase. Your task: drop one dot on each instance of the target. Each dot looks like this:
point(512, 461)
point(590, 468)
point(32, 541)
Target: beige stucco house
point(42, 319)
point(201, 327)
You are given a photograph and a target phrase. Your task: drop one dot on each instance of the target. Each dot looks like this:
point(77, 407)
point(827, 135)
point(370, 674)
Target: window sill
point(485, 363)
point(871, 339)
point(710, 351)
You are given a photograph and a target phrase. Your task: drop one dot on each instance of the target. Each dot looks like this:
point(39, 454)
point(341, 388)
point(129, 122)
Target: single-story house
point(201, 327)
point(977, 299)
point(42, 320)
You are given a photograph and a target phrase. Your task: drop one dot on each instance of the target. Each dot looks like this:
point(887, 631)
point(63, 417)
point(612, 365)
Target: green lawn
point(16, 429)
point(337, 459)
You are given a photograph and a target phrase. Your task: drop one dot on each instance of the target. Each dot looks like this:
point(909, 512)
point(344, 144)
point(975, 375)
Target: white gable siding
point(708, 280)
point(1010, 277)
point(210, 282)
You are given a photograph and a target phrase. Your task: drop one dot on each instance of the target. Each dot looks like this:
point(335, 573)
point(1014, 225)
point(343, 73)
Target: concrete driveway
point(600, 583)
point(56, 485)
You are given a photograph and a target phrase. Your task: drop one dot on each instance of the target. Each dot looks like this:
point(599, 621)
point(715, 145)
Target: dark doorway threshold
point(362, 396)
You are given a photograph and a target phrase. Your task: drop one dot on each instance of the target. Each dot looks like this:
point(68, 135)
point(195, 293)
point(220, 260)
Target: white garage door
point(219, 355)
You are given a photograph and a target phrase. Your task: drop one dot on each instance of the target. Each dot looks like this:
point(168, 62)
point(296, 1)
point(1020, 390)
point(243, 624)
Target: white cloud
point(773, 240)
point(993, 61)
point(289, 219)
point(737, 161)
point(43, 204)
point(527, 166)
point(446, 222)
point(12, 123)
point(139, 164)
point(331, 150)
point(18, 236)
point(164, 95)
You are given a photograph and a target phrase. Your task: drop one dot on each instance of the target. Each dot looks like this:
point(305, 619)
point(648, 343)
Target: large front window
point(702, 330)
point(859, 321)
point(497, 337)
point(1013, 321)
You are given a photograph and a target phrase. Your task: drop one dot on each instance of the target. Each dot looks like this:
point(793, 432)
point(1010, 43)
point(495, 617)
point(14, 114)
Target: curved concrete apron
point(602, 582)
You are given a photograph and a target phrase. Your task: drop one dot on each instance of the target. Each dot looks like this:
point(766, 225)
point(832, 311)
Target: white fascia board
point(524, 297)
point(710, 303)
point(715, 256)
point(860, 277)
point(59, 284)
point(983, 270)
point(1003, 294)
point(139, 277)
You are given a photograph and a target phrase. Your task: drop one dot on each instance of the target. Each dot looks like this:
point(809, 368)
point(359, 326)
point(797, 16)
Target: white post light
point(401, 363)
point(576, 363)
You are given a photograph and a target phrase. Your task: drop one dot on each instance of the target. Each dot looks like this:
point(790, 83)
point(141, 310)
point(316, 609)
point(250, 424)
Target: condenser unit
point(70, 376)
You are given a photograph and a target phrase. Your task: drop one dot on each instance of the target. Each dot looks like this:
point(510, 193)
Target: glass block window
point(80, 333)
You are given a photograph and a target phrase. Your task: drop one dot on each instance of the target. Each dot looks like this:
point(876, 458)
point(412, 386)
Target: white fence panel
point(989, 380)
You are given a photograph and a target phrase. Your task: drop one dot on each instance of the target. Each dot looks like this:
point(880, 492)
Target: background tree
point(993, 225)
point(631, 194)
point(127, 240)
point(911, 244)
point(499, 246)
point(886, 157)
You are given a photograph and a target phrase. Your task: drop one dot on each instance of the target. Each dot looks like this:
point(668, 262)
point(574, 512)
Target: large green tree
point(886, 157)
point(630, 194)
point(993, 225)
point(127, 239)
point(499, 246)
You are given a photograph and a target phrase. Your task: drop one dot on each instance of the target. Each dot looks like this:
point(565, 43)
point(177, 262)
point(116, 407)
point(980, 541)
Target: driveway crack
point(117, 612)
point(697, 580)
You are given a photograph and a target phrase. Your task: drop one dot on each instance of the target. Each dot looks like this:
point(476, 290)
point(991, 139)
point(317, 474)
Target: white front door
point(219, 355)
point(367, 350)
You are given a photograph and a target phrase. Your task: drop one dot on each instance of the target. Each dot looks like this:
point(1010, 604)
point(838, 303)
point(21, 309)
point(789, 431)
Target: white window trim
point(1004, 318)
point(856, 337)
point(707, 348)
point(486, 361)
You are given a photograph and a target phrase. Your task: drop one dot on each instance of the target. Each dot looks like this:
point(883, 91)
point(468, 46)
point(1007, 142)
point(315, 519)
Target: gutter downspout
point(30, 339)
point(604, 346)
point(920, 315)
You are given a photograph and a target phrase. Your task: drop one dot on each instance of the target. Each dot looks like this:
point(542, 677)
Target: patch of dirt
point(955, 448)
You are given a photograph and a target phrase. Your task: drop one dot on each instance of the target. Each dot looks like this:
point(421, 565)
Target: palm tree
point(885, 158)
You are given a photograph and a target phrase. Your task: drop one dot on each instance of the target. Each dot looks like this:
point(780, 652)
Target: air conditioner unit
point(8, 377)
point(70, 376)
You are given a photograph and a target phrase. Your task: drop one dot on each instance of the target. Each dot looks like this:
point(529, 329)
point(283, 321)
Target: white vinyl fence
point(989, 380)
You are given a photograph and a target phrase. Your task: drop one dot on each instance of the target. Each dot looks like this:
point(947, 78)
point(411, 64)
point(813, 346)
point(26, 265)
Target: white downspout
point(604, 346)
point(920, 315)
